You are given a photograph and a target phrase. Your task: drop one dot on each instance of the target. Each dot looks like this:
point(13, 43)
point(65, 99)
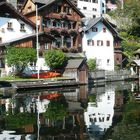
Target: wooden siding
point(48, 14)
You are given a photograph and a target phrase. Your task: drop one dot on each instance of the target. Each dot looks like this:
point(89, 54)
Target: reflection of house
point(102, 43)
point(99, 114)
point(58, 18)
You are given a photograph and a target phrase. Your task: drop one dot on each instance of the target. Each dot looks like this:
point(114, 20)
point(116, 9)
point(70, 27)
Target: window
point(85, 8)
point(99, 62)
point(107, 43)
point(94, 1)
point(57, 9)
point(90, 42)
point(108, 61)
point(22, 27)
point(67, 10)
point(9, 25)
point(99, 43)
point(94, 9)
point(94, 16)
point(94, 29)
point(29, 9)
point(46, 46)
point(104, 30)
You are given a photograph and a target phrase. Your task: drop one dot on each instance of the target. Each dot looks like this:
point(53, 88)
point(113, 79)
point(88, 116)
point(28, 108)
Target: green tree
point(20, 57)
point(91, 64)
point(55, 58)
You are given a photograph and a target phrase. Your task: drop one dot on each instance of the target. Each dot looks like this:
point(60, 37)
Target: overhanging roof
point(47, 3)
point(94, 21)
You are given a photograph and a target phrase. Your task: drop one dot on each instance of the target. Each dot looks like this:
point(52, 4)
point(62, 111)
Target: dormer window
point(10, 25)
point(22, 27)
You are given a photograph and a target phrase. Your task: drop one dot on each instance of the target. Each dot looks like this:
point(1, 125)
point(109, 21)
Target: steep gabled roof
point(9, 9)
point(94, 21)
point(47, 3)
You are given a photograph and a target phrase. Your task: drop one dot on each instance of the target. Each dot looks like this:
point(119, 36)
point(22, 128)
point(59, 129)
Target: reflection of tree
point(57, 110)
point(128, 128)
point(19, 120)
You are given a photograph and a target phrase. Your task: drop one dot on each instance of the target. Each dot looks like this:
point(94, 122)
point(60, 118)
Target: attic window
point(104, 30)
point(29, 9)
point(94, 29)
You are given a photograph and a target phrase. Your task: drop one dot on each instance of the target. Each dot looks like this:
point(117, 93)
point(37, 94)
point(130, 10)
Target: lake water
point(88, 112)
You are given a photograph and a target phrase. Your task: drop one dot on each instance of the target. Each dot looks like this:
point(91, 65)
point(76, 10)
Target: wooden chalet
point(59, 18)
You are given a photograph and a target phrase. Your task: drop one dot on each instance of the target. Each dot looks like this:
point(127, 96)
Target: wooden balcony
point(55, 30)
point(62, 15)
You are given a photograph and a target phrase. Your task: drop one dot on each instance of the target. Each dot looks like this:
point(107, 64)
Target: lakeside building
point(61, 19)
point(16, 30)
point(102, 43)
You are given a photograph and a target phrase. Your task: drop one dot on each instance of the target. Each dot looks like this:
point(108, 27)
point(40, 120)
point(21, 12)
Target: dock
point(37, 83)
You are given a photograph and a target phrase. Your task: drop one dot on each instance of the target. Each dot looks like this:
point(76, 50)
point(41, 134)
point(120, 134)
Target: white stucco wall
point(100, 53)
point(7, 34)
point(89, 12)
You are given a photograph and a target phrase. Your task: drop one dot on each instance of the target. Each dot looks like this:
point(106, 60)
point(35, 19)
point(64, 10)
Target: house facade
point(102, 43)
point(13, 24)
point(58, 18)
point(92, 8)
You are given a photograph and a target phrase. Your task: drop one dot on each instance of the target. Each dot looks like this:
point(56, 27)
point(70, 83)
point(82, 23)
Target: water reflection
point(82, 113)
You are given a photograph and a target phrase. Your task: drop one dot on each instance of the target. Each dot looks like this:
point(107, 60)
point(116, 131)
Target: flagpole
point(37, 45)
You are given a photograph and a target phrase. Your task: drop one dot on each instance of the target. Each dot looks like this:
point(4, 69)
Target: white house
point(12, 24)
point(92, 8)
point(98, 43)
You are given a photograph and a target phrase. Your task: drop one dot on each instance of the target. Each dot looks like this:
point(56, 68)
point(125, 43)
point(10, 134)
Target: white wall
point(100, 53)
point(7, 34)
point(89, 12)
